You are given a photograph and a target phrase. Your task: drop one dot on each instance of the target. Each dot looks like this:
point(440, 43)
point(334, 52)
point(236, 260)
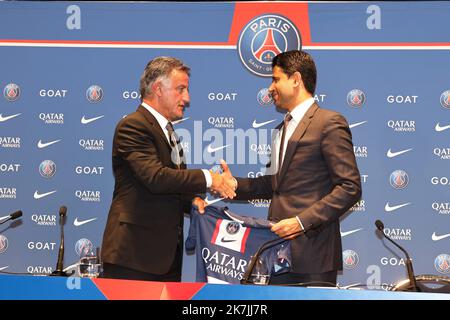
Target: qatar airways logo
point(442, 153)
point(263, 38)
point(260, 203)
point(10, 142)
point(221, 122)
point(8, 193)
point(360, 206)
point(44, 219)
point(261, 149)
point(88, 195)
point(398, 233)
point(91, 144)
point(441, 207)
point(400, 126)
point(223, 264)
point(52, 118)
point(360, 151)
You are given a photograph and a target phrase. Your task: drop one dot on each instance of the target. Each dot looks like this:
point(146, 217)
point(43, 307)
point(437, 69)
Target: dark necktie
point(287, 118)
point(173, 139)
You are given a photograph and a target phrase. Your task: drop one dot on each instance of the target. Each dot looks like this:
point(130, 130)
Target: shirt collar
point(159, 117)
point(299, 111)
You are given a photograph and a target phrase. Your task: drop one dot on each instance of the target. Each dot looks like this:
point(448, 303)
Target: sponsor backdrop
point(70, 72)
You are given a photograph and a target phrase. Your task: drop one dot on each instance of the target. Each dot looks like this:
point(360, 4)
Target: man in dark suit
point(143, 238)
point(313, 178)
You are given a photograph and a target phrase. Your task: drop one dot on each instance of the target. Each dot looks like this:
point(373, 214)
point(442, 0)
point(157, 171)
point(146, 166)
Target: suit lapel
point(154, 123)
point(298, 133)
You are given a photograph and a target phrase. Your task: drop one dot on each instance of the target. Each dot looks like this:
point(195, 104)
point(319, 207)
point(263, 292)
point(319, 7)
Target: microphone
point(264, 247)
point(12, 216)
point(409, 266)
point(59, 264)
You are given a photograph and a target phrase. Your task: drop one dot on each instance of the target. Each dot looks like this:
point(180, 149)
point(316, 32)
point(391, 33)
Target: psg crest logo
point(11, 92)
point(399, 179)
point(445, 99)
point(47, 168)
point(3, 243)
point(83, 246)
point(264, 97)
point(442, 263)
point(232, 227)
point(263, 38)
point(350, 259)
point(356, 98)
point(94, 93)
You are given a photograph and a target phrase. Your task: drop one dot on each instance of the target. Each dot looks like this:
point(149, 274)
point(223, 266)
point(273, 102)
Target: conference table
point(23, 287)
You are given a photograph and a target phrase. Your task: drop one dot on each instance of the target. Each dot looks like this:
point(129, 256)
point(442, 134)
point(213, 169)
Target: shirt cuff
point(208, 178)
point(299, 222)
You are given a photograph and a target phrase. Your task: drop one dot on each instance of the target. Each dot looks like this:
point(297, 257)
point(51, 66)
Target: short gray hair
point(160, 67)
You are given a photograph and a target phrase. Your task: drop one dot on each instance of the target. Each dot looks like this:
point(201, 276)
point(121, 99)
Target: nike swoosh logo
point(438, 128)
point(2, 118)
point(434, 237)
point(343, 234)
point(211, 149)
point(38, 195)
point(43, 145)
point(357, 124)
point(391, 154)
point(89, 120)
point(80, 223)
point(388, 208)
point(178, 121)
point(227, 240)
point(3, 268)
point(257, 125)
point(213, 200)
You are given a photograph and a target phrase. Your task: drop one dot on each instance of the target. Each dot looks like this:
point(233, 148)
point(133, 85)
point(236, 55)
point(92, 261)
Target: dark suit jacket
point(319, 182)
point(145, 220)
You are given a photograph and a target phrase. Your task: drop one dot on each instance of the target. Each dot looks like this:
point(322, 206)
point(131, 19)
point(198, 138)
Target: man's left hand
point(200, 204)
point(286, 227)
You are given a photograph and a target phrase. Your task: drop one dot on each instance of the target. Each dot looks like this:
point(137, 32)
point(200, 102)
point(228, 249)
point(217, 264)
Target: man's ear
point(297, 78)
point(156, 88)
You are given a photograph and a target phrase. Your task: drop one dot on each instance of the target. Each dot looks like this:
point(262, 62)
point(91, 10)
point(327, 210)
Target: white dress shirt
point(162, 121)
point(297, 115)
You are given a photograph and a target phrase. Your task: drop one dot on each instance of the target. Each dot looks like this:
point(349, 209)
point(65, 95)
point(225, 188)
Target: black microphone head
point(62, 211)
point(379, 225)
point(16, 214)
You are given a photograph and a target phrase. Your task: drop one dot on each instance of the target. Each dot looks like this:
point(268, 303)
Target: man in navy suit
point(313, 178)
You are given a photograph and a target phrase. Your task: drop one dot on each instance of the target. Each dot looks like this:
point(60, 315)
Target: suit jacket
point(319, 181)
point(145, 221)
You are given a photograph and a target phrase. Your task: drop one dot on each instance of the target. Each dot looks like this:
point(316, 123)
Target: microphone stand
point(409, 267)
point(59, 265)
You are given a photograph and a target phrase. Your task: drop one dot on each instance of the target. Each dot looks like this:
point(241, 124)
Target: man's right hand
point(224, 183)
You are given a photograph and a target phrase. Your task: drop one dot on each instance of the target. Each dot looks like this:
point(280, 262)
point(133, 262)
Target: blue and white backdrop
point(70, 71)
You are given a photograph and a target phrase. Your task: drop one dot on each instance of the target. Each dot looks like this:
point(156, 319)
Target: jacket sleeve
point(254, 188)
point(337, 150)
point(135, 145)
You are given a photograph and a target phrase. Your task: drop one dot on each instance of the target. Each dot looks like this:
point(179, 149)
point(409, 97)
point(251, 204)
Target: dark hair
point(297, 60)
point(160, 67)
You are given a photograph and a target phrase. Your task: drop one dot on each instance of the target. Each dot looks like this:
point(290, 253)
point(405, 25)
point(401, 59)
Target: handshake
point(224, 184)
